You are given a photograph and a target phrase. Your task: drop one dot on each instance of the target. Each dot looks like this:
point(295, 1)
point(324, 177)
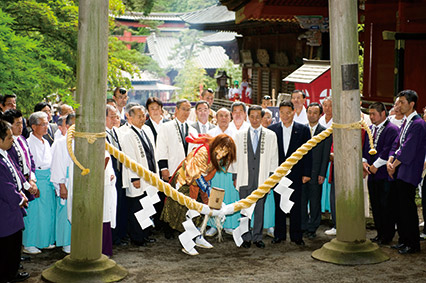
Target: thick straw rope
point(154, 180)
point(260, 192)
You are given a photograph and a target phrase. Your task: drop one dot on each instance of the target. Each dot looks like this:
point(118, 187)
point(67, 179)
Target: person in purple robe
point(12, 201)
point(21, 155)
point(405, 166)
point(379, 182)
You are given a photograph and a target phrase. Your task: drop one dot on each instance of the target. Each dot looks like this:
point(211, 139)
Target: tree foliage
point(27, 68)
point(188, 47)
point(38, 54)
point(189, 79)
point(232, 70)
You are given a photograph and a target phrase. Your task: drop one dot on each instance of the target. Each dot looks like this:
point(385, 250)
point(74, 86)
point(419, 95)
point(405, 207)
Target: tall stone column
point(350, 245)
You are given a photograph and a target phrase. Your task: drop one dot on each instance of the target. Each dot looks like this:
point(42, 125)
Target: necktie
point(255, 141)
point(312, 132)
point(203, 131)
point(375, 133)
point(148, 151)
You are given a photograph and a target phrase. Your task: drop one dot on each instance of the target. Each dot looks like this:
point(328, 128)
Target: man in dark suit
point(379, 183)
point(312, 190)
point(405, 166)
point(154, 106)
point(202, 110)
point(291, 135)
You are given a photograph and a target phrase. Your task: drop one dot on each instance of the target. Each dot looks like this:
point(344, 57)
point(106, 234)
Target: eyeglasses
point(266, 97)
point(43, 124)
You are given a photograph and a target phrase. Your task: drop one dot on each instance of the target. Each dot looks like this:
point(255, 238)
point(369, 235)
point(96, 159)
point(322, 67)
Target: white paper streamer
point(187, 238)
point(285, 191)
point(144, 215)
point(244, 225)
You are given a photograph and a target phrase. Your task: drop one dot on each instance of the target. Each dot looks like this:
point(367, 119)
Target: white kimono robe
point(169, 145)
point(110, 194)
point(268, 157)
point(62, 170)
point(133, 148)
point(233, 128)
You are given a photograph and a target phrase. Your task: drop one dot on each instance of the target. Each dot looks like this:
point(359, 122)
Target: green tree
point(44, 54)
point(26, 68)
point(189, 79)
point(188, 46)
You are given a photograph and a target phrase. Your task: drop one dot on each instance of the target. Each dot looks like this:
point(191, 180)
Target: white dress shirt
point(287, 135)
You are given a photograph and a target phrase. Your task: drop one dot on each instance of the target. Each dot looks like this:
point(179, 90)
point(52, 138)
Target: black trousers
point(311, 195)
point(295, 217)
point(120, 230)
point(382, 199)
point(256, 233)
point(136, 233)
point(407, 218)
point(10, 255)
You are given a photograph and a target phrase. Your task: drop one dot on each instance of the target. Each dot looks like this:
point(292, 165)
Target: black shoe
point(375, 239)
point(260, 244)
point(299, 242)
point(139, 243)
point(398, 246)
point(276, 240)
point(408, 250)
point(149, 240)
point(21, 276)
point(246, 244)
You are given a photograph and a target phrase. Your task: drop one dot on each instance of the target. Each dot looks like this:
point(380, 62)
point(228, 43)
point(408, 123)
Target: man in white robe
point(138, 144)
point(239, 115)
point(257, 159)
point(298, 99)
point(171, 147)
point(62, 179)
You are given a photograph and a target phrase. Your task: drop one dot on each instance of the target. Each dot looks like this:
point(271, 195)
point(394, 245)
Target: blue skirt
point(326, 187)
point(269, 212)
point(224, 181)
point(40, 222)
point(63, 225)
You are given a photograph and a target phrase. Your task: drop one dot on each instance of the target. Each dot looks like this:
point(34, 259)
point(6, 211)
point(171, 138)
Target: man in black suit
point(155, 111)
point(202, 110)
point(312, 190)
point(290, 136)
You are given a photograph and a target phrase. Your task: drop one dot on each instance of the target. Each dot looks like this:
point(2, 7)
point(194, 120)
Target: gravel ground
point(285, 262)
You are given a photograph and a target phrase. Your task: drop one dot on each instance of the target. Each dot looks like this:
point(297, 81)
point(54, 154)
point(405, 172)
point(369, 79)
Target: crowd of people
point(235, 149)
